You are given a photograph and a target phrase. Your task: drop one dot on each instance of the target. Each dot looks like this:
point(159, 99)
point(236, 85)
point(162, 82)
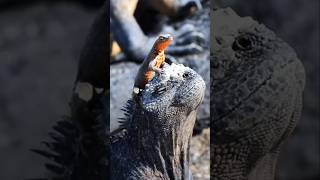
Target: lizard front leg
point(153, 67)
point(149, 76)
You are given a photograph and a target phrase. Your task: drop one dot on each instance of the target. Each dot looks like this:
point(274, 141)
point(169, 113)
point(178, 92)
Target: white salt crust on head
point(169, 72)
point(163, 88)
point(173, 72)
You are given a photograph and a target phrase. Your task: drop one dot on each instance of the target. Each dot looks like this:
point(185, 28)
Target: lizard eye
point(243, 42)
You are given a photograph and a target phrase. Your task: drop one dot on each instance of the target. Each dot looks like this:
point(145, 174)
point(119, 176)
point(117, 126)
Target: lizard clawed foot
point(159, 72)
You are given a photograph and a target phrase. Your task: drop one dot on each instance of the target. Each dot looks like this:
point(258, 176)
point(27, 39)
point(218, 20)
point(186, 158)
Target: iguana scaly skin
point(157, 133)
point(256, 93)
point(151, 64)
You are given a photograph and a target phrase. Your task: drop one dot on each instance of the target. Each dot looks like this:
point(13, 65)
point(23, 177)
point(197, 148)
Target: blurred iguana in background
point(257, 83)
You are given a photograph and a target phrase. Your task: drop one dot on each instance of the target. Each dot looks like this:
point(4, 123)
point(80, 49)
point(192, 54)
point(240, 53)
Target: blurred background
point(40, 42)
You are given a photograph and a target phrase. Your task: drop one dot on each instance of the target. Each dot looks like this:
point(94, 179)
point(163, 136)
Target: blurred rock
point(121, 83)
point(39, 49)
point(200, 155)
point(5, 4)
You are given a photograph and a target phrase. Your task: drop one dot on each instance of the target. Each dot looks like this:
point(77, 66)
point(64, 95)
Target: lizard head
point(172, 99)
point(163, 42)
point(257, 82)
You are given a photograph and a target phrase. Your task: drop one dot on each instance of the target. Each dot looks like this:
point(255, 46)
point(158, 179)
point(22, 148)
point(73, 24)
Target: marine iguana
point(154, 143)
point(157, 131)
point(151, 64)
point(80, 147)
point(256, 89)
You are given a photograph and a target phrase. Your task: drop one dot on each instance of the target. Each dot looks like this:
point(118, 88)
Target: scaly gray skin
point(158, 129)
point(256, 94)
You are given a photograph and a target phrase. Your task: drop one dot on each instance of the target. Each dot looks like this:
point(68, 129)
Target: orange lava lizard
point(152, 63)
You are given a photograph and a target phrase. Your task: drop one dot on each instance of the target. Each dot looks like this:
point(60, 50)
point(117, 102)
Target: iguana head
point(171, 97)
point(257, 82)
point(256, 91)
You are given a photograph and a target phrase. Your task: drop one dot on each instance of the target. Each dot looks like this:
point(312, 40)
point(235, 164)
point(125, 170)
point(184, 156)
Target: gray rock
point(121, 83)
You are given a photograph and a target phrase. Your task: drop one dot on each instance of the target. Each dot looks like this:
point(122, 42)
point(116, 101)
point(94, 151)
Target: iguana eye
point(243, 42)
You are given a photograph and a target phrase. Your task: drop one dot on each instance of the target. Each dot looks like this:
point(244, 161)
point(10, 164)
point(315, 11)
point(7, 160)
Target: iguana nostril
point(186, 75)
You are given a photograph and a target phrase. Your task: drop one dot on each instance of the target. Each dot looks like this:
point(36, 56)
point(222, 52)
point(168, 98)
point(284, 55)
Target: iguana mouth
point(253, 92)
point(188, 91)
point(235, 107)
point(191, 89)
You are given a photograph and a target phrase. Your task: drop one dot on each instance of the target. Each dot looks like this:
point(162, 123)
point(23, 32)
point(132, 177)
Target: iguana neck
point(265, 168)
point(165, 149)
point(232, 162)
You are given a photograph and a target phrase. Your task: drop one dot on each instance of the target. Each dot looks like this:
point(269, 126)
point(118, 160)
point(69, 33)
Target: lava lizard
point(152, 63)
